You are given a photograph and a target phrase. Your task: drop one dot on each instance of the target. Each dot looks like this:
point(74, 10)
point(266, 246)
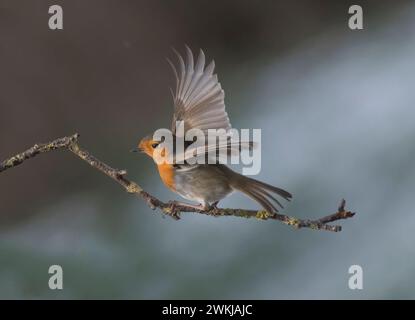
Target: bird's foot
point(214, 205)
point(173, 210)
point(213, 208)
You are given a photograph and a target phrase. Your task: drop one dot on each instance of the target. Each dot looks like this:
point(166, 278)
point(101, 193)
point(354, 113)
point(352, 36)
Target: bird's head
point(147, 145)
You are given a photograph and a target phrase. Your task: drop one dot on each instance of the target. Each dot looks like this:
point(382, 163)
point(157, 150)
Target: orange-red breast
point(199, 103)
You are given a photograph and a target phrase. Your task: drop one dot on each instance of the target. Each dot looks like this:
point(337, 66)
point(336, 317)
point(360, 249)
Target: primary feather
point(198, 98)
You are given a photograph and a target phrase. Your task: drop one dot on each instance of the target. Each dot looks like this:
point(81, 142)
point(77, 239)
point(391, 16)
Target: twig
point(171, 208)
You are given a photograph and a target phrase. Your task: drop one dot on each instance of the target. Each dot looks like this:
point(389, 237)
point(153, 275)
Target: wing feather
point(199, 100)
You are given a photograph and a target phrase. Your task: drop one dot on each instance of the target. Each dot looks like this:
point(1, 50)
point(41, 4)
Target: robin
point(199, 104)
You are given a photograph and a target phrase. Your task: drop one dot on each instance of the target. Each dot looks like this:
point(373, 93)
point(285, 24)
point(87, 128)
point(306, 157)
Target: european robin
point(199, 104)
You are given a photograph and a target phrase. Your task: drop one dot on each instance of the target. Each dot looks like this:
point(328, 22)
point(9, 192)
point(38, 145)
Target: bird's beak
point(136, 150)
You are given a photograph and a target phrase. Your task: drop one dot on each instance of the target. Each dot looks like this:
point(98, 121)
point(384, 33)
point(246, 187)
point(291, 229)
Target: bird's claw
point(213, 208)
point(172, 210)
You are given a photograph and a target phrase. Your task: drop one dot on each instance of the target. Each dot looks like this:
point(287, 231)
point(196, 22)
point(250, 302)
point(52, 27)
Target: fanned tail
point(261, 192)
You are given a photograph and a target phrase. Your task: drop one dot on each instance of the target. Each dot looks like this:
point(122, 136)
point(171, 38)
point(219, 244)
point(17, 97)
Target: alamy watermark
point(214, 146)
point(56, 279)
point(356, 278)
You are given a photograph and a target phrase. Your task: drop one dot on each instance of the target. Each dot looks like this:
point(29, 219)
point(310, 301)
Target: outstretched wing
point(198, 98)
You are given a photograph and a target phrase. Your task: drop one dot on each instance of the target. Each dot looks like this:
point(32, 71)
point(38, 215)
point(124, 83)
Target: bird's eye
point(154, 145)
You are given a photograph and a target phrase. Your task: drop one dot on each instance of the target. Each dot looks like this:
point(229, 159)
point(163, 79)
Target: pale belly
point(203, 184)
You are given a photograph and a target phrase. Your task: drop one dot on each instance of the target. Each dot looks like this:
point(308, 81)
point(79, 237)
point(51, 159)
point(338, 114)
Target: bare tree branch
point(171, 208)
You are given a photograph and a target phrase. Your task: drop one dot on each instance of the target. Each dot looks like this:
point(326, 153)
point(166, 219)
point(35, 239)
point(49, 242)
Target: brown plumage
point(199, 103)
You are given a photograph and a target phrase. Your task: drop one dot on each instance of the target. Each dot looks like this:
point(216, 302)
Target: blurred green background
point(336, 111)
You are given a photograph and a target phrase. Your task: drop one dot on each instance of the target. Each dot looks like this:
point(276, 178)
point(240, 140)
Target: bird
point(199, 104)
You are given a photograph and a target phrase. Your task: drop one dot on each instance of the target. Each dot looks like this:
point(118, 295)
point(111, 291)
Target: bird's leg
point(173, 210)
point(214, 205)
point(214, 208)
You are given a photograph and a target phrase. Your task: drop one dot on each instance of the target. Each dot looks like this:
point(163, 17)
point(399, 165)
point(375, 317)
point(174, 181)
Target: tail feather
point(270, 196)
point(261, 192)
point(264, 202)
point(285, 194)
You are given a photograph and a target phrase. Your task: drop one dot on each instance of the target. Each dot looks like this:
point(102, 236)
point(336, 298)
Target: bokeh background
point(336, 109)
